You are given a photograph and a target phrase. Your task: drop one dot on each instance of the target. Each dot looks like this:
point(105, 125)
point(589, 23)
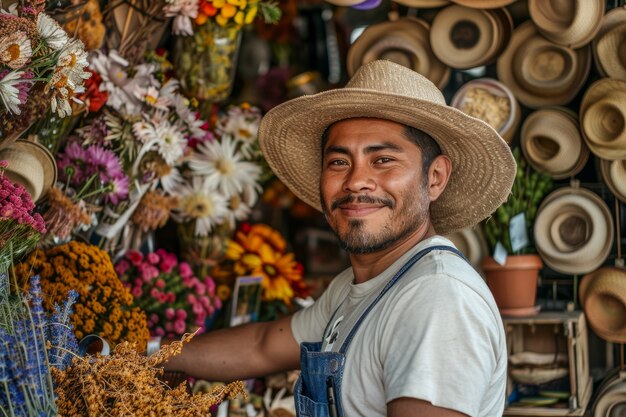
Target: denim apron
point(318, 390)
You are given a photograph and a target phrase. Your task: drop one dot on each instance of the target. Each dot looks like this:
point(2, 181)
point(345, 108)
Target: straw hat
point(492, 102)
point(603, 118)
point(539, 72)
point(612, 54)
point(471, 242)
point(426, 4)
point(603, 297)
point(404, 41)
point(573, 230)
point(484, 4)
point(552, 143)
point(613, 20)
point(614, 175)
point(572, 23)
point(31, 165)
point(484, 168)
point(463, 37)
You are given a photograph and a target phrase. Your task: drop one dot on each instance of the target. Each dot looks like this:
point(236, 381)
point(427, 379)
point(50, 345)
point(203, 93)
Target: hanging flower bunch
point(32, 343)
point(40, 67)
point(260, 250)
point(20, 228)
point(175, 301)
point(104, 307)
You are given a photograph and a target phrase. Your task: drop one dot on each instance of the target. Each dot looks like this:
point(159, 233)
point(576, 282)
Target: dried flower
point(153, 210)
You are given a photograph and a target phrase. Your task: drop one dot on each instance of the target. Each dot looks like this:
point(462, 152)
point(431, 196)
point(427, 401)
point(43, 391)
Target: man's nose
point(359, 178)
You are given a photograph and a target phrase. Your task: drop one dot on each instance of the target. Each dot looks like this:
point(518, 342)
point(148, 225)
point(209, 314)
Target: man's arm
point(241, 352)
point(412, 407)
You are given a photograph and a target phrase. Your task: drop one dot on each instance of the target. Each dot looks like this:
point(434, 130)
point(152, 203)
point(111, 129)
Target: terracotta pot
point(514, 284)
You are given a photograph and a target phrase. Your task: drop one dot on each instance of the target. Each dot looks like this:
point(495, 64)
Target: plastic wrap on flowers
point(104, 307)
point(205, 62)
point(174, 299)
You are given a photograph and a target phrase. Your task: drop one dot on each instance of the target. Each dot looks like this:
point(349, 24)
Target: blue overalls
point(318, 390)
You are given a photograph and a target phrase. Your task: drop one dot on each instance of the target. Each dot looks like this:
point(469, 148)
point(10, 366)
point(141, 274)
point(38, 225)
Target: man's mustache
point(361, 198)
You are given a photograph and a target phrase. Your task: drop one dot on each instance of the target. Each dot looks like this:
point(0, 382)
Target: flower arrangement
point(127, 384)
point(20, 227)
point(31, 345)
point(105, 307)
point(175, 301)
point(261, 251)
point(40, 67)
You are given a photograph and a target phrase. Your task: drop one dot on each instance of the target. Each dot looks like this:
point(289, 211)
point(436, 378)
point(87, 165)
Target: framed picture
point(246, 301)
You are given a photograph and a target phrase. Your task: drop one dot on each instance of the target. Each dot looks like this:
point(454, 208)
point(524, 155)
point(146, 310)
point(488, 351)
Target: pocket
point(306, 407)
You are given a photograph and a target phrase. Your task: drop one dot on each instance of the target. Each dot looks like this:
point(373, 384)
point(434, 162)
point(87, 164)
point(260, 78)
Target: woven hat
point(31, 165)
point(404, 41)
point(471, 242)
point(483, 166)
point(552, 143)
point(425, 4)
point(463, 37)
point(603, 118)
point(484, 4)
point(573, 230)
point(571, 23)
point(492, 102)
point(613, 19)
point(539, 72)
point(603, 297)
point(612, 54)
point(614, 175)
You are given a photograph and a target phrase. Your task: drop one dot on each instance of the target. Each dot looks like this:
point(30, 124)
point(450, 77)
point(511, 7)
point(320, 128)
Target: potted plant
point(513, 269)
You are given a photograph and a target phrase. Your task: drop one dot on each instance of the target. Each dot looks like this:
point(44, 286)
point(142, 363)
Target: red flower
point(93, 97)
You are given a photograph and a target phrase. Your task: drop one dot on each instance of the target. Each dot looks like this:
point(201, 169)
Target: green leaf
point(270, 11)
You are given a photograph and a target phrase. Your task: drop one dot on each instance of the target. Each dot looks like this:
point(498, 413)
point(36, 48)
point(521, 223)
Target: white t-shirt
point(436, 335)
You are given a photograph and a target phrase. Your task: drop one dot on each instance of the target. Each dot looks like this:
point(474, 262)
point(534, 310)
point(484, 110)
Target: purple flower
point(119, 189)
point(105, 163)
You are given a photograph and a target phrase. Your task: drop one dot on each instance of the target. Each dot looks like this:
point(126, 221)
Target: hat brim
point(45, 158)
point(607, 281)
point(619, 191)
point(483, 168)
point(484, 4)
point(612, 19)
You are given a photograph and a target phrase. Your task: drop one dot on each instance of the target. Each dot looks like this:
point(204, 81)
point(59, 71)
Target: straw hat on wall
point(552, 143)
point(571, 23)
point(404, 41)
point(573, 230)
point(614, 175)
point(611, 52)
point(471, 242)
point(603, 297)
point(603, 118)
point(539, 72)
point(425, 4)
point(463, 37)
point(31, 165)
point(613, 20)
point(484, 4)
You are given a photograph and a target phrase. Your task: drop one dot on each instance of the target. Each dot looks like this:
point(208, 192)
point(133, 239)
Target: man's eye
point(337, 162)
point(383, 159)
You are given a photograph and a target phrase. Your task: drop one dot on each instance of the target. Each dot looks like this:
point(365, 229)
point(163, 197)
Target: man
point(410, 329)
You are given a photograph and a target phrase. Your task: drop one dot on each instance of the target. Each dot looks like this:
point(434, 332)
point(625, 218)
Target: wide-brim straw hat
point(603, 118)
point(471, 242)
point(483, 166)
point(31, 165)
point(603, 297)
point(551, 141)
point(404, 41)
point(613, 19)
point(492, 102)
point(539, 72)
point(463, 37)
point(614, 175)
point(612, 54)
point(573, 230)
point(484, 4)
point(571, 23)
point(425, 4)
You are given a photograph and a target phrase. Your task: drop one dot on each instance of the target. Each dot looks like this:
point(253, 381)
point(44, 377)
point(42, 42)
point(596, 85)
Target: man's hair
point(428, 146)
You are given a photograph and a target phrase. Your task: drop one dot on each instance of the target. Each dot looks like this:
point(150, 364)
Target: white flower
point(15, 50)
point(68, 77)
point(200, 202)
point(243, 125)
point(166, 138)
point(158, 98)
point(182, 11)
point(51, 32)
point(188, 117)
point(172, 181)
point(9, 93)
point(240, 206)
point(220, 162)
point(11, 10)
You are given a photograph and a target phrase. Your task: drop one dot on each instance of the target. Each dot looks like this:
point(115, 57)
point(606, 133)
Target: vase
point(205, 63)
point(202, 253)
point(514, 284)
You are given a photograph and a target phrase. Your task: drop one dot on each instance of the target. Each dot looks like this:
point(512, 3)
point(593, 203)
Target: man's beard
point(357, 240)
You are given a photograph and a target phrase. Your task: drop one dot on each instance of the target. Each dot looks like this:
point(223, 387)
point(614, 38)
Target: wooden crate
point(546, 333)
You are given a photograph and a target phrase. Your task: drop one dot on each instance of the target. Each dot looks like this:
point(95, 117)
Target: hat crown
point(391, 78)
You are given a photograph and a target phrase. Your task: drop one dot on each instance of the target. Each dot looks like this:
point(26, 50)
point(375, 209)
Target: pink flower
point(154, 293)
point(180, 326)
point(200, 322)
point(217, 303)
point(159, 331)
point(169, 326)
point(154, 318)
point(169, 313)
point(136, 292)
point(153, 258)
point(210, 285)
point(205, 302)
point(171, 297)
point(185, 270)
point(181, 314)
point(148, 272)
point(160, 283)
point(134, 256)
point(162, 298)
point(191, 299)
point(168, 261)
point(197, 308)
point(4, 163)
point(121, 267)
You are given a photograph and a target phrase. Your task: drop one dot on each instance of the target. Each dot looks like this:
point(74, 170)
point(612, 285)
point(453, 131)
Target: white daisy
point(15, 50)
point(222, 164)
point(238, 211)
point(182, 11)
point(172, 181)
point(161, 98)
point(243, 125)
point(50, 31)
point(68, 77)
point(200, 202)
point(9, 93)
point(188, 117)
point(167, 139)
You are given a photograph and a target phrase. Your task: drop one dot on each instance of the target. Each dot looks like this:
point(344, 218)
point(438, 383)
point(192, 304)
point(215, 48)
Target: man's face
point(372, 189)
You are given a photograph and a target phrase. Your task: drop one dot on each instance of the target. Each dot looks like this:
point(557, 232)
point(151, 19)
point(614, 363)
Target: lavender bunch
point(31, 343)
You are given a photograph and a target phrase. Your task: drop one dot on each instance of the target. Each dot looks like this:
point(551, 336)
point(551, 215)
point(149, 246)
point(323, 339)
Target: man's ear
point(438, 176)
